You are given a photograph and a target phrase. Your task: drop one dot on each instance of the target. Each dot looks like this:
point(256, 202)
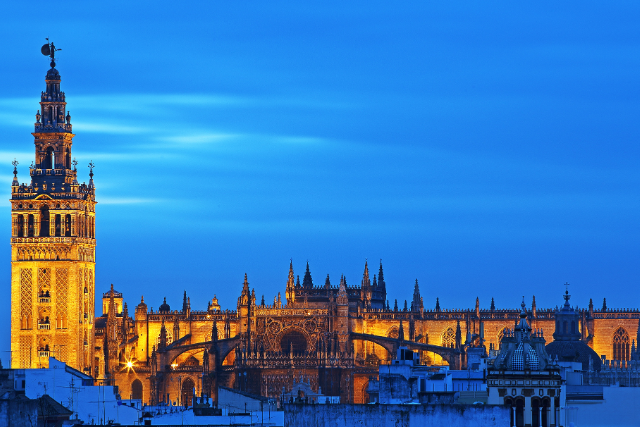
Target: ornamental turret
point(290, 293)
point(244, 307)
point(307, 282)
point(365, 287)
point(416, 302)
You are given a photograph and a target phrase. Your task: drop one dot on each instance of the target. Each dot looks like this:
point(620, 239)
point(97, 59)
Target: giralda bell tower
point(52, 245)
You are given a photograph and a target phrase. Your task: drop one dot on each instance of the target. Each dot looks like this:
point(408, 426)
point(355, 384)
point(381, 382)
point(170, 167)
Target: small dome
point(574, 351)
point(164, 307)
point(521, 348)
point(53, 74)
point(142, 304)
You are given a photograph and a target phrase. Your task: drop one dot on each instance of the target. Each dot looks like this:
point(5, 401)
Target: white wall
point(91, 403)
point(619, 408)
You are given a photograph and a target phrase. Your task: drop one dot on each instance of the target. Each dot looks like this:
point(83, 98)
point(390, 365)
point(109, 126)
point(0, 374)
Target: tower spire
point(381, 282)
point(365, 277)
point(307, 282)
point(56, 215)
point(15, 182)
point(416, 302)
point(290, 292)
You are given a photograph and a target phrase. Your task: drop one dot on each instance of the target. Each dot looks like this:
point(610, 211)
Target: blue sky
point(486, 149)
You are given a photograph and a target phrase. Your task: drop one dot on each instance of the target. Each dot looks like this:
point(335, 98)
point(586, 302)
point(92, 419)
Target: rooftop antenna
point(49, 49)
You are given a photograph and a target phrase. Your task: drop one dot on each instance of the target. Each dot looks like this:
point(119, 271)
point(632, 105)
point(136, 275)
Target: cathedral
point(332, 337)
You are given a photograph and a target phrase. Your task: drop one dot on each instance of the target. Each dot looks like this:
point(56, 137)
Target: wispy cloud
point(200, 138)
point(141, 103)
point(110, 127)
point(128, 200)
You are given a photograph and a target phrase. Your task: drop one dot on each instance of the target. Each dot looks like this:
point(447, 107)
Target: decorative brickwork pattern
point(62, 347)
point(91, 296)
point(26, 298)
point(61, 297)
point(44, 280)
point(25, 352)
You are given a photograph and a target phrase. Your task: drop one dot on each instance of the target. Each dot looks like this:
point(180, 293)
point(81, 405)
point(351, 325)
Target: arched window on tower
point(49, 159)
point(620, 344)
point(565, 327)
point(67, 225)
point(86, 221)
point(573, 327)
point(20, 226)
point(30, 225)
point(44, 221)
point(58, 225)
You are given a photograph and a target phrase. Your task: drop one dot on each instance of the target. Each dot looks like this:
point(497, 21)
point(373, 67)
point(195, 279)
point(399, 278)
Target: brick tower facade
point(52, 246)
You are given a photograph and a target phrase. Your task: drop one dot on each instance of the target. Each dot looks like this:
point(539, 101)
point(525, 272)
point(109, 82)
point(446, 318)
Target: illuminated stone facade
point(52, 247)
point(332, 337)
point(324, 335)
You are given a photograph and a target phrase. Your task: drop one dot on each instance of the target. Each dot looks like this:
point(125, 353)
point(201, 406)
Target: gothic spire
point(416, 302)
point(381, 282)
point(493, 304)
point(214, 331)
point(112, 305)
point(184, 302)
point(307, 283)
point(366, 283)
point(290, 293)
point(437, 304)
point(176, 330)
point(401, 332)
point(533, 307)
point(342, 293)
point(327, 283)
point(163, 336)
point(245, 285)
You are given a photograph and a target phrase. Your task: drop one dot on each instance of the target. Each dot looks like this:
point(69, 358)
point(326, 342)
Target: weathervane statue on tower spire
point(49, 49)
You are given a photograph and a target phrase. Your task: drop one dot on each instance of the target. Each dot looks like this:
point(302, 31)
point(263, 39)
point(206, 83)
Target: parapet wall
point(395, 415)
